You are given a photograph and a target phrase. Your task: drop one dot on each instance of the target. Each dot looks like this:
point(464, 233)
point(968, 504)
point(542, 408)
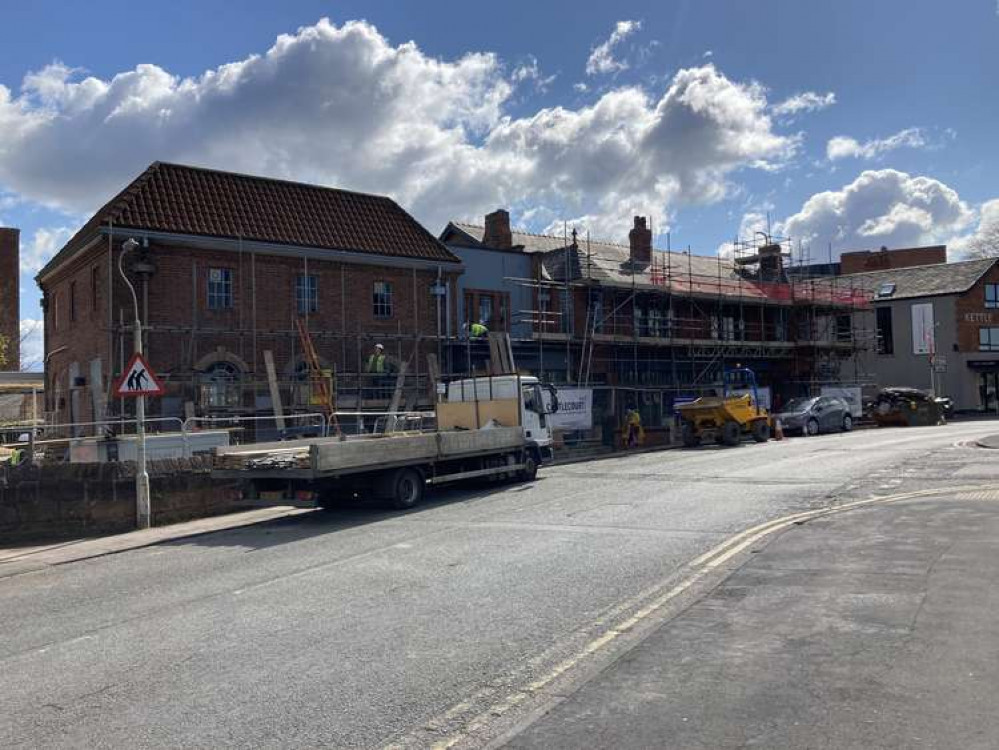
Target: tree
point(985, 242)
point(30, 341)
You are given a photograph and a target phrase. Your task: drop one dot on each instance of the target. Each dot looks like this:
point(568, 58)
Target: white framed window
point(988, 339)
point(219, 386)
point(382, 299)
point(307, 293)
point(992, 295)
point(219, 288)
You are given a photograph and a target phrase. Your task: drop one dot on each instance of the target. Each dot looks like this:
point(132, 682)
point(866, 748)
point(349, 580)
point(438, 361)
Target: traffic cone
point(778, 430)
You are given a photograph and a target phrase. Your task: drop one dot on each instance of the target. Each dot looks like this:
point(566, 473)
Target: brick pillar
point(10, 294)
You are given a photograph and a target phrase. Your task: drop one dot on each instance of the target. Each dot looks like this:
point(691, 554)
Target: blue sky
point(852, 124)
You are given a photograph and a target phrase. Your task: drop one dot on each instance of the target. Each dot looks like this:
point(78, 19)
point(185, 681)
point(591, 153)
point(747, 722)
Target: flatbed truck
point(485, 427)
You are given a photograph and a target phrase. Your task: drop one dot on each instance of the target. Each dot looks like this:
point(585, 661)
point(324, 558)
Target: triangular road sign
point(138, 379)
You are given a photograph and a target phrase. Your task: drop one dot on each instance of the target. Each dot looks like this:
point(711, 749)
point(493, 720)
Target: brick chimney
point(640, 241)
point(10, 295)
point(497, 232)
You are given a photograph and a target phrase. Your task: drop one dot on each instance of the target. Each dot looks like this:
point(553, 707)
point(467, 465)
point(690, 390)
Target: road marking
point(699, 567)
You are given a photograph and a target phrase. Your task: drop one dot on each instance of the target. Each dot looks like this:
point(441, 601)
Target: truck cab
point(534, 409)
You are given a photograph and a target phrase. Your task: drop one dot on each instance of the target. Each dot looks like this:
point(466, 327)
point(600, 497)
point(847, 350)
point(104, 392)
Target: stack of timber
point(289, 455)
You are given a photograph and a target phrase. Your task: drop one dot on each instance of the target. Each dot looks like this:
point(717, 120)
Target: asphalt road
point(363, 628)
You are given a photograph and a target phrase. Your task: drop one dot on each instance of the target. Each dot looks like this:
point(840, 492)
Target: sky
point(842, 124)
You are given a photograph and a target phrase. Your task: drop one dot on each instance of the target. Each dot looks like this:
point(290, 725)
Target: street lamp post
point(142, 505)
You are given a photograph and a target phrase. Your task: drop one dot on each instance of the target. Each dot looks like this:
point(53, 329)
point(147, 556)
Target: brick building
point(666, 324)
point(10, 296)
point(226, 264)
point(937, 327)
point(861, 261)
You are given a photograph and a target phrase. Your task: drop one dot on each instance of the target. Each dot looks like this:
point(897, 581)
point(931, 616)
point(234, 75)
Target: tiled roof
point(609, 262)
point(926, 281)
point(180, 199)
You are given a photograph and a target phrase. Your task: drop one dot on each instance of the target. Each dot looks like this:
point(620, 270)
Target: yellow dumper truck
point(726, 419)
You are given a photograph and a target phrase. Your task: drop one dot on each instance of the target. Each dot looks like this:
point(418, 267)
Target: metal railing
point(317, 426)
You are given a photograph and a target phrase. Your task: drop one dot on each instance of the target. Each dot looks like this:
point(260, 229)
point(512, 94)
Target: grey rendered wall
point(492, 269)
point(904, 368)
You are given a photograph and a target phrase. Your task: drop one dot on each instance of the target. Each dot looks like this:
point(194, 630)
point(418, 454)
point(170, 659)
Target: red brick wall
point(76, 338)
point(877, 260)
point(972, 313)
point(178, 297)
point(183, 330)
point(10, 295)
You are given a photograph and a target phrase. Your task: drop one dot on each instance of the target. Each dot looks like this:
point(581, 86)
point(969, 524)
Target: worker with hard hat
point(376, 362)
point(478, 330)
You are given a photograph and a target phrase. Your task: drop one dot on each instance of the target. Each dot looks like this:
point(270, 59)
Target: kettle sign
point(138, 380)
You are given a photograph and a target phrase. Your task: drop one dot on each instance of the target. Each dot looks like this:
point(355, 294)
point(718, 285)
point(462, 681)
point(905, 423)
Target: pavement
point(875, 628)
point(476, 618)
point(19, 559)
point(989, 441)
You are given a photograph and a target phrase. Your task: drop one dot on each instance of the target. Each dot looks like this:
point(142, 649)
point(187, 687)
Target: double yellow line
point(698, 568)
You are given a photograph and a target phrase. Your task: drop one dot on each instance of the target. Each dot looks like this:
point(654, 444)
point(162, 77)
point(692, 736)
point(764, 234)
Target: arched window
point(219, 385)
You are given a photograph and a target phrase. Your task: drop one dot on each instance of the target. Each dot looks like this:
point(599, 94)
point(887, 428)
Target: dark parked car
point(906, 407)
point(816, 414)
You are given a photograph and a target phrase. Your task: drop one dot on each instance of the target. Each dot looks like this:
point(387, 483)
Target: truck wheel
point(530, 470)
point(731, 433)
point(761, 430)
point(847, 422)
point(812, 426)
point(689, 435)
point(406, 489)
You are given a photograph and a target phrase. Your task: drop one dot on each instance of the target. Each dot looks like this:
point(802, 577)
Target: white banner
point(575, 409)
point(852, 396)
point(922, 329)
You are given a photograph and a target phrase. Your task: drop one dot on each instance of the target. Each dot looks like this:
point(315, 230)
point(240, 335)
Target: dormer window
point(887, 289)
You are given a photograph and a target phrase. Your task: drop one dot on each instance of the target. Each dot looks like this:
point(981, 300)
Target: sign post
point(139, 381)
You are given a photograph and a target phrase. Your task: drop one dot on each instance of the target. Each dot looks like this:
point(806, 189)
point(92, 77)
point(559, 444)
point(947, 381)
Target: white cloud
point(984, 240)
point(43, 245)
point(627, 154)
point(530, 71)
point(32, 344)
point(807, 101)
point(883, 207)
point(844, 147)
point(342, 106)
point(602, 60)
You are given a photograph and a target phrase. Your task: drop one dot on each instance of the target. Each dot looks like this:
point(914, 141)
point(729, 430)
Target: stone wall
point(72, 500)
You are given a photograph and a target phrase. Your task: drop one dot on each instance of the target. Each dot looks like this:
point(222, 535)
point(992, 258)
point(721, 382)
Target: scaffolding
point(676, 321)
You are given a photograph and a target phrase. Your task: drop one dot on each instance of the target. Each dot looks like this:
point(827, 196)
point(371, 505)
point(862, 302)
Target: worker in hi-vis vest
point(376, 362)
point(376, 370)
point(478, 330)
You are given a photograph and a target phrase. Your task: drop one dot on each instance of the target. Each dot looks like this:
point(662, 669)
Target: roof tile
point(181, 199)
point(926, 281)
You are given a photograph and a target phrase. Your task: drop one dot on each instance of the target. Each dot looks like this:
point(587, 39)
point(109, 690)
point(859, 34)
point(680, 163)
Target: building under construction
point(260, 298)
point(661, 325)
